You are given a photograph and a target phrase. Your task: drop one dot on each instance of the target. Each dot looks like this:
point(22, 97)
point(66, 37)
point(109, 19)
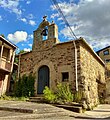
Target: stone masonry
point(60, 59)
point(105, 56)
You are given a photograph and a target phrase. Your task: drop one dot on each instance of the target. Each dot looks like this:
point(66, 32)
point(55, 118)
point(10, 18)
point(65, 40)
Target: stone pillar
point(52, 31)
point(2, 50)
point(12, 62)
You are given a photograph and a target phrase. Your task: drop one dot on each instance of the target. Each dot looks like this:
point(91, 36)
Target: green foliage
point(24, 87)
point(4, 97)
point(2, 35)
point(62, 95)
point(16, 60)
point(77, 96)
point(14, 75)
point(21, 51)
point(18, 88)
point(49, 95)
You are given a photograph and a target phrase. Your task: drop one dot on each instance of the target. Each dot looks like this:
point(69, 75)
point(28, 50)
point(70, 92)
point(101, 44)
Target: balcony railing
point(5, 65)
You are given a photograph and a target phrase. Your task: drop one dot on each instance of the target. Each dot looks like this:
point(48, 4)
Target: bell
point(44, 32)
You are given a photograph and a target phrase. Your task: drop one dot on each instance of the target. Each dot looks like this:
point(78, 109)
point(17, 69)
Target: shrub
point(77, 96)
point(30, 85)
point(18, 88)
point(49, 95)
point(24, 87)
point(64, 93)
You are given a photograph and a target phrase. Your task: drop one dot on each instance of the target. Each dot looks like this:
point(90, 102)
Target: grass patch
point(4, 97)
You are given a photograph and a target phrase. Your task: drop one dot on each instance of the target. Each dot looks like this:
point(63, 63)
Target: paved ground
point(48, 112)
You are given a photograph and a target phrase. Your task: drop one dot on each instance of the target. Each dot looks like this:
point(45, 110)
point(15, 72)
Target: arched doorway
point(43, 79)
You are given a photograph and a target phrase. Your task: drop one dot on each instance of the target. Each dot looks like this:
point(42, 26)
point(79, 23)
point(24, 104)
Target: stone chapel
point(73, 62)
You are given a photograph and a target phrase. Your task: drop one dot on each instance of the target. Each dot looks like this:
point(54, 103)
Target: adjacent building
point(7, 54)
point(72, 62)
point(105, 56)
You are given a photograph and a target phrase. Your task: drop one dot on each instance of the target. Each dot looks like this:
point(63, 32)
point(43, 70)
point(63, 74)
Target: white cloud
point(54, 15)
point(11, 5)
point(28, 20)
point(89, 19)
point(30, 45)
point(32, 22)
point(30, 36)
point(24, 20)
point(27, 49)
point(22, 44)
point(18, 36)
point(28, 2)
point(30, 16)
point(1, 18)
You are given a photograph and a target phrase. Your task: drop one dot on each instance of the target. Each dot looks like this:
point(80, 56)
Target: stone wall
point(93, 76)
point(107, 83)
point(26, 63)
point(102, 56)
point(58, 57)
point(4, 83)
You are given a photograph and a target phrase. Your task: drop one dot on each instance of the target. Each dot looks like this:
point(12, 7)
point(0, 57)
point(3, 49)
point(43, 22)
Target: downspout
point(1, 51)
point(0, 64)
point(12, 62)
point(76, 77)
point(19, 66)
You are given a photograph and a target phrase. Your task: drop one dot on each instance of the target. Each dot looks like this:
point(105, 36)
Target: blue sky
point(88, 18)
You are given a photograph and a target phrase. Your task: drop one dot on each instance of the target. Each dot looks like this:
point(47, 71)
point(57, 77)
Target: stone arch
point(44, 24)
point(51, 69)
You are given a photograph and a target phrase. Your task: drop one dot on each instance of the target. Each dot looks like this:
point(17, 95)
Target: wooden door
point(43, 79)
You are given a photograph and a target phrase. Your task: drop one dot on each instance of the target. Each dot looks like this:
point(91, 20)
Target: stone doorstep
point(34, 116)
point(22, 110)
point(71, 108)
point(29, 110)
point(77, 104)
point(37, 99)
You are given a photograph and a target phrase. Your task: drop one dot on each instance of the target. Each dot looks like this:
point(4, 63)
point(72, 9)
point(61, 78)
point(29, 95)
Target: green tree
point(21, 51)
point(2, 35)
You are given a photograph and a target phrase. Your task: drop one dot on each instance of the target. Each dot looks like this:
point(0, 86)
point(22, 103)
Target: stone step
point(36, 99)
point(76, 104)
point(75, 107)
point(28, 107)
point(71, 108)
point(34, 116)
point(16, 109)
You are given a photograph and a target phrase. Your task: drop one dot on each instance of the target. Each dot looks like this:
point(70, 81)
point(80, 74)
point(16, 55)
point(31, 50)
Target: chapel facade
point(73, 62)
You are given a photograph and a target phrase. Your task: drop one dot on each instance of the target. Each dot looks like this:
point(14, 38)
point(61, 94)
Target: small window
point(107, 60)
point(6, 53)
point(106, 52)
point(65, 76)
point(108, 73)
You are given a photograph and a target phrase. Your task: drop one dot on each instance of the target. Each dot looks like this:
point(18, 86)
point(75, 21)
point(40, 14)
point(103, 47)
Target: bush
point(62, 95)
point(49, 95)
point(18, 88)
point(77, 96)
point(24, 87)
